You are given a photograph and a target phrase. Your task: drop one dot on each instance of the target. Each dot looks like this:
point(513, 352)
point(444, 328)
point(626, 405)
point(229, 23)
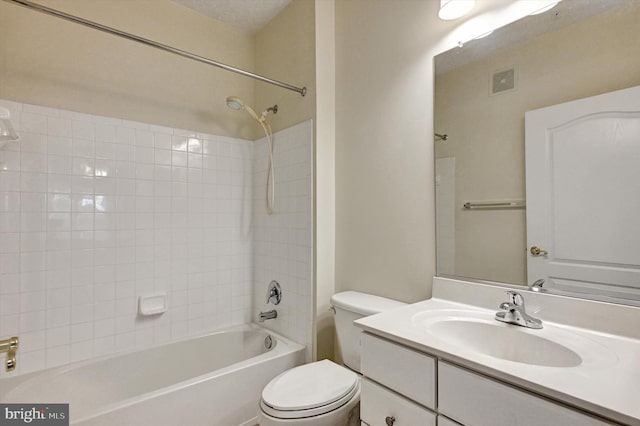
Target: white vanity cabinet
point(380, 406)
point(408, 378)
point(403, 386)
point(473, 399)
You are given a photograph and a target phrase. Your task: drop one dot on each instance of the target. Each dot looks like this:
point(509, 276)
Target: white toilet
point(324, 393)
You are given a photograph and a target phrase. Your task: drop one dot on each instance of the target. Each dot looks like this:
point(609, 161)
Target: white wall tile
point(282, 248)
point(83, 148)
point(95, 211)
point(33, 142)
point(35, 123)
point(105, 132)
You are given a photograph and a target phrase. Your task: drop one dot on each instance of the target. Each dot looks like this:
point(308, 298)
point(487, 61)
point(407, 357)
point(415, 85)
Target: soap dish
point(153, 304)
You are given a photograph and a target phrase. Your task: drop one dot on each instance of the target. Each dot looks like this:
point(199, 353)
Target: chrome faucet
point(10, 346)
point(268, 315)
point(538, 286)
point(513, 312)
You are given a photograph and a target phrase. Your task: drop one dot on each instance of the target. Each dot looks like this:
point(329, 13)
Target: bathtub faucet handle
point(274, 292)
point(10, 346)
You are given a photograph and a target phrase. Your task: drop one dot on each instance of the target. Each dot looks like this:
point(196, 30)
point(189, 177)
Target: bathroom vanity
point(446, 361)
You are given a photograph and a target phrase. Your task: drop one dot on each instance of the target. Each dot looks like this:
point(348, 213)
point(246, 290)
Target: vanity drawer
point(402, 369)
point(377, 403)
point(475, 400)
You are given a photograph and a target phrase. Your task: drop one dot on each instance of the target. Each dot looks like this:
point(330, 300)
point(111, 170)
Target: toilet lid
point(309, 386)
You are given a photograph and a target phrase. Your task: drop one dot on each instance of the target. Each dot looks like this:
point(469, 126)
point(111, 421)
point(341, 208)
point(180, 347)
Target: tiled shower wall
point(283, 248)
point(96, 211)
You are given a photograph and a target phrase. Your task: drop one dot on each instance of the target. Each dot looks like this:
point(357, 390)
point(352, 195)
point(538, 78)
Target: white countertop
point(606, 383)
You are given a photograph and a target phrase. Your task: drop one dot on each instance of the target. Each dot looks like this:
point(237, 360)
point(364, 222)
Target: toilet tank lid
point(362, 303)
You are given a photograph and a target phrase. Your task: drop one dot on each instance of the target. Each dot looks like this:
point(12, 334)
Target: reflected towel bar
point(519, 204)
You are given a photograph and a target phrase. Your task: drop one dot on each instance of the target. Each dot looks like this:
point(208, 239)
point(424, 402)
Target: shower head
point(235, 103)
point(238, 104)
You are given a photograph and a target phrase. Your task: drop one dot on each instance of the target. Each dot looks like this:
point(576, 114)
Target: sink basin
point(504, 341)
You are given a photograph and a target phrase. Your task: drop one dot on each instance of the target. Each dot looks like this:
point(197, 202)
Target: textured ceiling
point(249, 15)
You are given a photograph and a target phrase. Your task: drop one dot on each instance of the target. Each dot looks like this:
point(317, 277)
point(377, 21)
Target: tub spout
point(10, 346)
point(268, 315)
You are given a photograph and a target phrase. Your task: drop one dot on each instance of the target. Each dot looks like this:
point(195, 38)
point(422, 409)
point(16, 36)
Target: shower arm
point(132, 37)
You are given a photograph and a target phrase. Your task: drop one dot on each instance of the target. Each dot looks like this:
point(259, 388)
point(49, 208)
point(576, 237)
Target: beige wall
point(385, 231)
point(285, 51)
point(384, 159)
point(486, 133)
point(48, 61)
point(325, 185)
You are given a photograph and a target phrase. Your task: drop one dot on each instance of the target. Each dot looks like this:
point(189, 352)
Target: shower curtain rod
point(179, 52)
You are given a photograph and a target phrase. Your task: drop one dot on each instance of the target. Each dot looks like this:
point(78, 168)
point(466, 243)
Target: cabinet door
point(475, 400)
point(406, 371)
point(380, 406)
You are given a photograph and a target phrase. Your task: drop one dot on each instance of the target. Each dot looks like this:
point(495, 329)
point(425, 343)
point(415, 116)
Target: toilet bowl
point(319, 393)
point(324, 393)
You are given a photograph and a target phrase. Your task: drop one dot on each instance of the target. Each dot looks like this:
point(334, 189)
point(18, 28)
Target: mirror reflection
point(571, 66)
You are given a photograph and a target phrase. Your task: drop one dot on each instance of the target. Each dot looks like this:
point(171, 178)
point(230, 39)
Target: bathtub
point(216, 379)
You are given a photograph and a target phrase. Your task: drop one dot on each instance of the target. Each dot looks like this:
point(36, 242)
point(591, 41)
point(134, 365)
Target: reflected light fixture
point(487, 34)
point(454, 9)
point(544, 9)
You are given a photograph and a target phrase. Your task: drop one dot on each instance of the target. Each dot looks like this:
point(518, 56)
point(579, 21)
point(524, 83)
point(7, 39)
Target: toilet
point(324, 393)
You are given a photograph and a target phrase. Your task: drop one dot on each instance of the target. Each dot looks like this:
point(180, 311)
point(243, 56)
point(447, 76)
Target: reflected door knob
point(390, 420)
point(537, 251)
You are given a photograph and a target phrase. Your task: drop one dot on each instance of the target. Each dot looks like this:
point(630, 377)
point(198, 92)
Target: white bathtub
point(210, 380)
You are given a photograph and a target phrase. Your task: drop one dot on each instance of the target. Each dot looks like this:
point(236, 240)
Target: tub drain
point(268, 342)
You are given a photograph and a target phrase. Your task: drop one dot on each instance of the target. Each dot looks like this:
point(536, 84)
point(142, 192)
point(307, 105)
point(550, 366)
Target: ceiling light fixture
point(454, 9)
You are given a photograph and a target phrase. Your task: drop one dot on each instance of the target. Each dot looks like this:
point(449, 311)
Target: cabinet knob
point(390, 420)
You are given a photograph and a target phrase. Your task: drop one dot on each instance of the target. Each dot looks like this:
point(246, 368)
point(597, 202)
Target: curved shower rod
point(179, 52)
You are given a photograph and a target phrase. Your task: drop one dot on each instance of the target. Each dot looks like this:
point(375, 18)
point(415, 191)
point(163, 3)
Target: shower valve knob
point(274, 292)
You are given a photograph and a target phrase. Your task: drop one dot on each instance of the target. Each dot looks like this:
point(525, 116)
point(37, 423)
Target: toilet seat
point(309, 390)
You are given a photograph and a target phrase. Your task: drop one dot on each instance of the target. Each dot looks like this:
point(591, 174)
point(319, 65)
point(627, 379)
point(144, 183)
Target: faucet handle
point(515, 298)
point(274, 292)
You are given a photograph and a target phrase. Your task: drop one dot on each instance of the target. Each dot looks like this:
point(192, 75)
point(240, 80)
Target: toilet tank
point(350, 306)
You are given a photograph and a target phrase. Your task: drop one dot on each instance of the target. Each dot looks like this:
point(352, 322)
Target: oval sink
point(504, 341)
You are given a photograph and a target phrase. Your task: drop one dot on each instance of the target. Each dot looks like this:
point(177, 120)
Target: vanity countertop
point(606, 383)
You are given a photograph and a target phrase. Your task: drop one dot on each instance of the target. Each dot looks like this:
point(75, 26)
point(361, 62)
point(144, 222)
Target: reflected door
point(583, 196)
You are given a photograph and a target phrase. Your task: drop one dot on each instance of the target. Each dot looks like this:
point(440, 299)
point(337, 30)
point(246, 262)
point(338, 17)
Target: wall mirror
point(537, 151)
